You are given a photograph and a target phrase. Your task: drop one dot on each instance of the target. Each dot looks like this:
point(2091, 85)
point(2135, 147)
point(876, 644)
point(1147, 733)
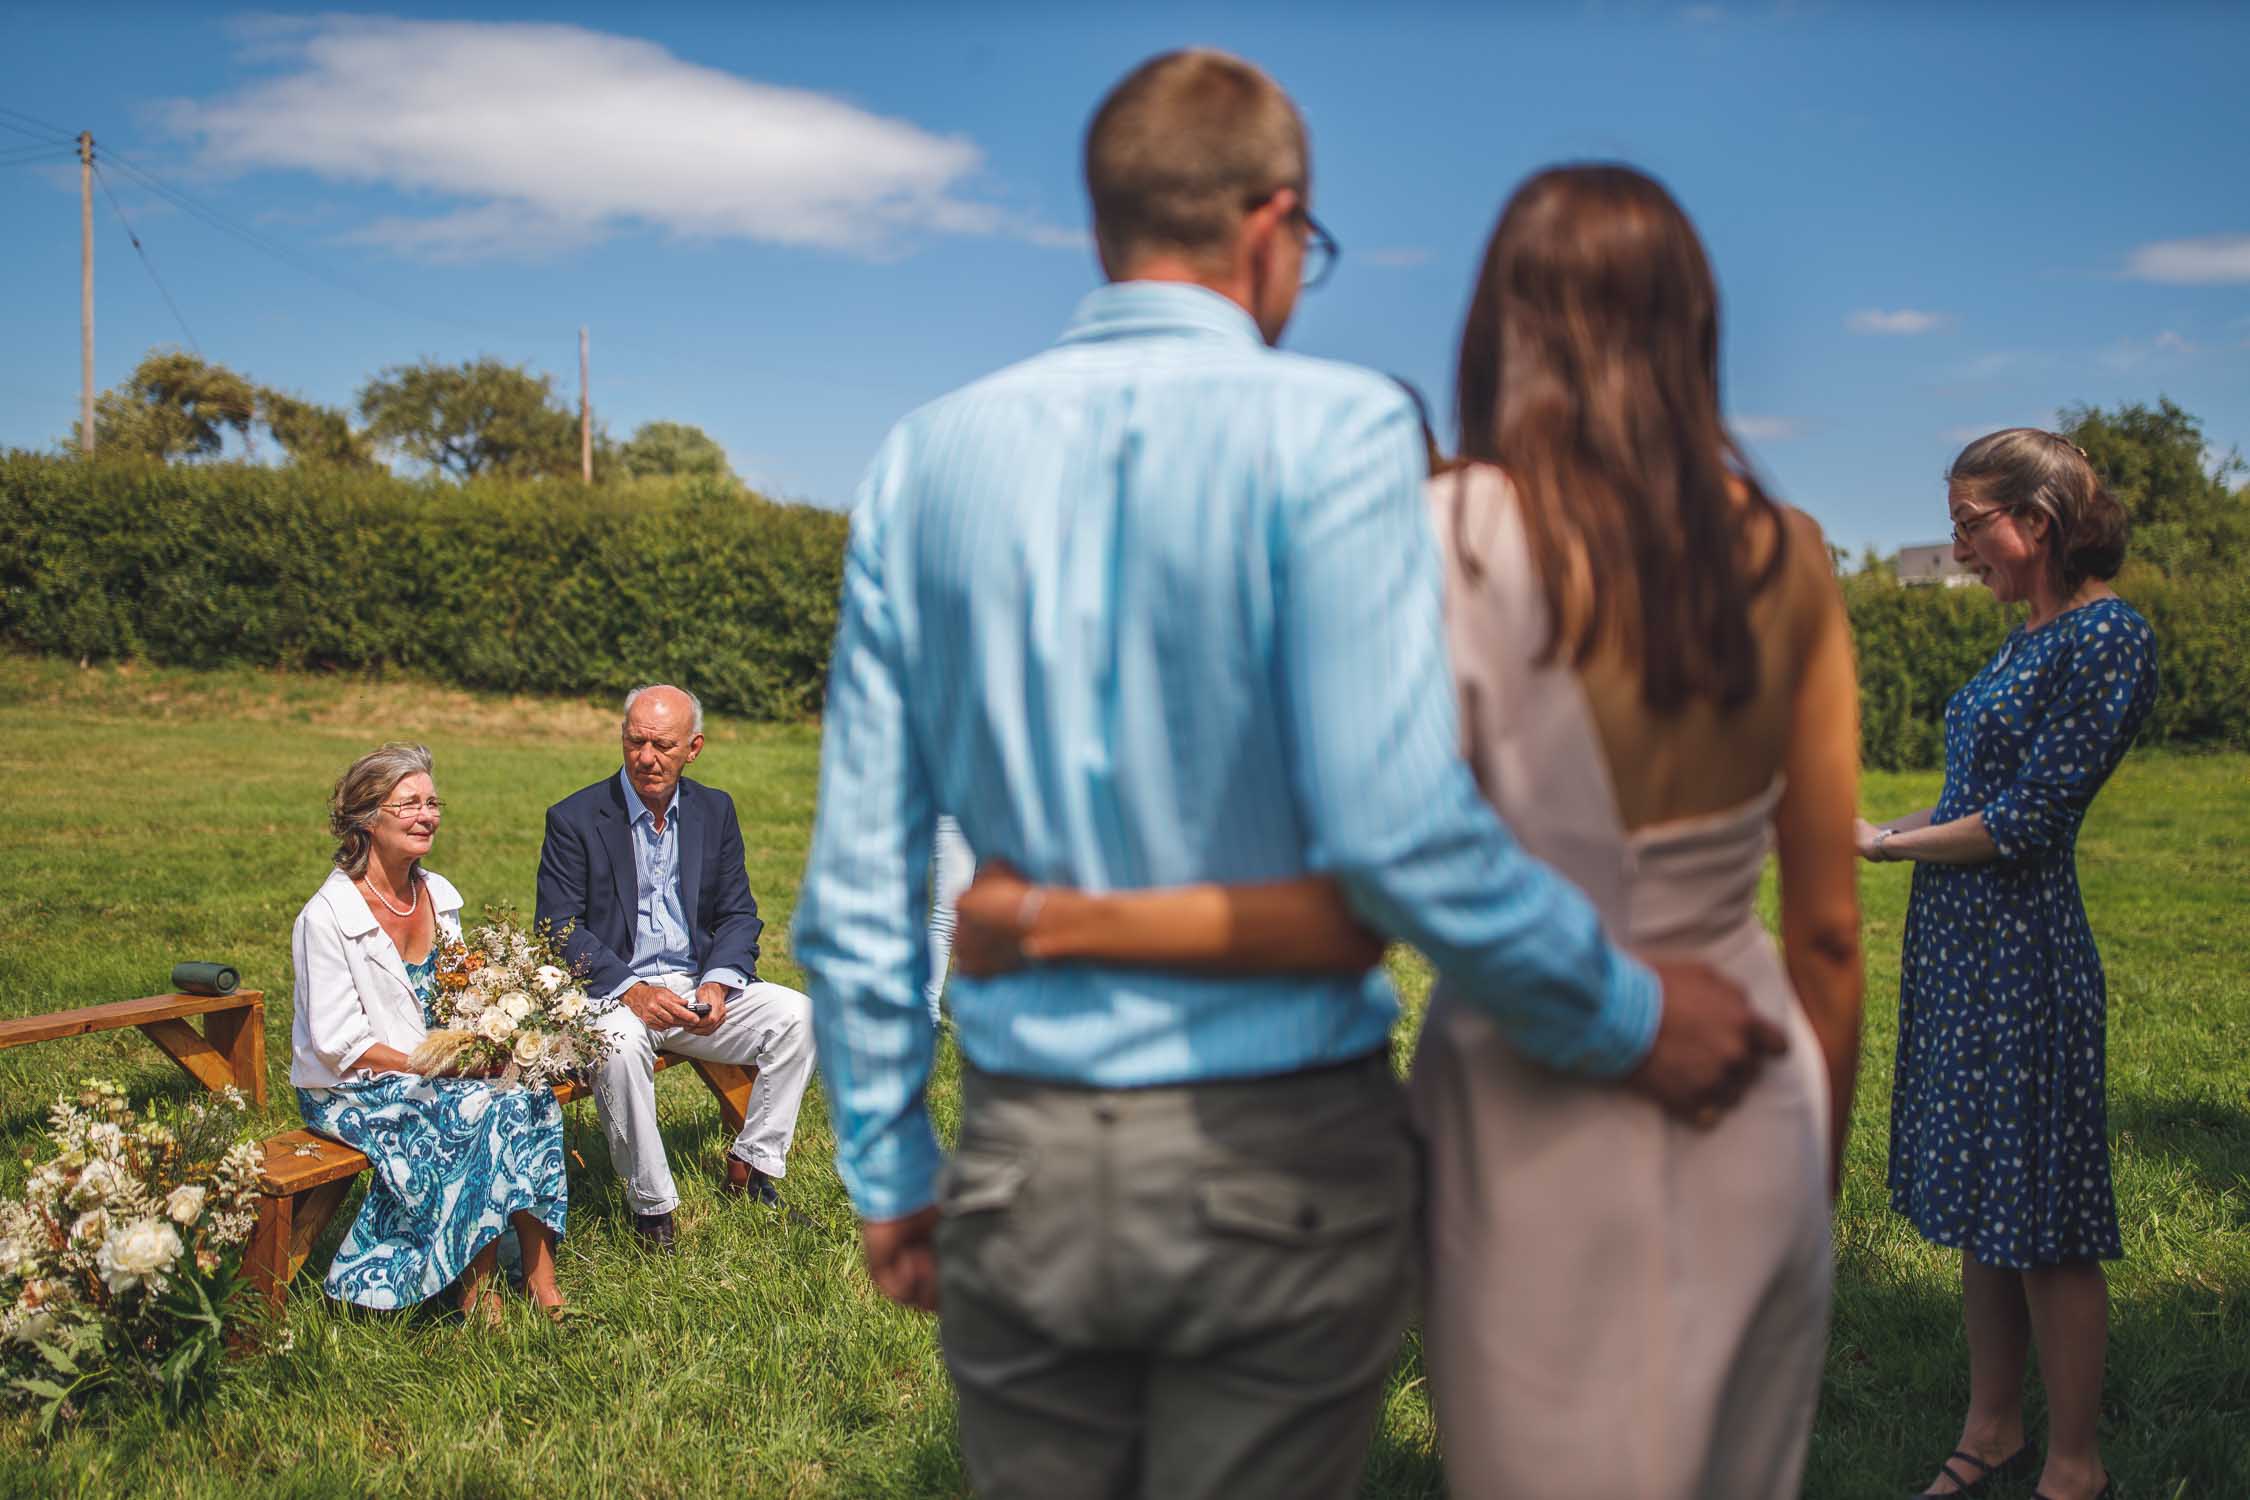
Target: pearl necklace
point(413, 902)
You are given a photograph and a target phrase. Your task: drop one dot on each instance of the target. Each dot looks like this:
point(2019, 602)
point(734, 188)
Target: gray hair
point(357, 800)
point(694, 703)
point(2020, 469)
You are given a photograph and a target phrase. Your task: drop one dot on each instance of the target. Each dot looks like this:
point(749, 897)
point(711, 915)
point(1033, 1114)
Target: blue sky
point(791, 224)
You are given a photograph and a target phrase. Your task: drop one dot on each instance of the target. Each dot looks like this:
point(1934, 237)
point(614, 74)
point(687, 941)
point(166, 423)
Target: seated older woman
point(456, 1159)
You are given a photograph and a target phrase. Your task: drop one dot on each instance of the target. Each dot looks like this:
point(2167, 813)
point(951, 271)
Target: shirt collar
point(639, 810)
point(1139, 308)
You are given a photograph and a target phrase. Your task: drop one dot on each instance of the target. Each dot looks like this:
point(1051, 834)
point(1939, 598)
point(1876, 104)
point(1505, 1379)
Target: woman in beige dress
point(1656, 690)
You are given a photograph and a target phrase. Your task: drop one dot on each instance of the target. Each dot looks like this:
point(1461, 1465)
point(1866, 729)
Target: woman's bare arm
point(1819, 882)
point(1298, 926)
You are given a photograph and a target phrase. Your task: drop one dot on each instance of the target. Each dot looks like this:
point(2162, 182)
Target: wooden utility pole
point(585, 414)
point(86, 291)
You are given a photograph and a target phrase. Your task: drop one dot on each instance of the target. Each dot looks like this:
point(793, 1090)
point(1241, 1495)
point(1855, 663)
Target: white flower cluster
point(505, 1001)
point(122, 1207)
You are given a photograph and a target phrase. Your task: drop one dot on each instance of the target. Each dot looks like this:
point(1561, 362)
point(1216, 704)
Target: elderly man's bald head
point(663, 736)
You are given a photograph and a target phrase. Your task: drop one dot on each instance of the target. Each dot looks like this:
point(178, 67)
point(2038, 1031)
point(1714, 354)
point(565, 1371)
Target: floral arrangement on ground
point(120, 1266)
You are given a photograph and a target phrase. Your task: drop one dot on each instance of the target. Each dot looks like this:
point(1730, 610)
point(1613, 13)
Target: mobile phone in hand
point(700, 1008)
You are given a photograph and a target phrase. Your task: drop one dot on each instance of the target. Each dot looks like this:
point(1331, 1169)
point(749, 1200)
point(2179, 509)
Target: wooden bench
point(230, 1050)
point(306, 1176)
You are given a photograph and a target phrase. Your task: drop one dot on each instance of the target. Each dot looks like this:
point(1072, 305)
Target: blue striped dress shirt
point(1160, 605)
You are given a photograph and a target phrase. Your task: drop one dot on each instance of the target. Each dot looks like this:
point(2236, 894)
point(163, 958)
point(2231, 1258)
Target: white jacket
point(352, 989)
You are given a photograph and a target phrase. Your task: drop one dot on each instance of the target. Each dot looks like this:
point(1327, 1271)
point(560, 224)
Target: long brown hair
point(1590, 374)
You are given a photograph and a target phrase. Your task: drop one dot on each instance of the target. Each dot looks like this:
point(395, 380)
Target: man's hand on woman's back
point(1709, 1044)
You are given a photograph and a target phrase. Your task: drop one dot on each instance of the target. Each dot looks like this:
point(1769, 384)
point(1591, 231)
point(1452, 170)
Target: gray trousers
point(1180, 1293)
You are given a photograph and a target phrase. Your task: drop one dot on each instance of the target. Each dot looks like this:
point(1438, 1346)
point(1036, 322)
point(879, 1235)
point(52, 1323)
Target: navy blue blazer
point(587, 879)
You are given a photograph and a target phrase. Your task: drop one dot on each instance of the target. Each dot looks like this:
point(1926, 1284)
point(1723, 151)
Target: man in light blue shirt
point(1155, 607)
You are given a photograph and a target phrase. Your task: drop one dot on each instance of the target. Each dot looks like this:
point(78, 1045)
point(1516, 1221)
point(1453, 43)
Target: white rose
point(516, 1003)
point(90, 1227)
point(530, 1048)
point(185, 1204)
point(496, 1025)
point(16, 1255)
point(551, 978)
point(138, 1255)
point(570, 1007)
point(106, 1134)
point(95, 1184)
point(468, 1005)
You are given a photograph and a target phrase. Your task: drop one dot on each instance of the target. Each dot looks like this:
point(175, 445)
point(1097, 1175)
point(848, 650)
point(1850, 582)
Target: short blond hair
point(359, 795)
point(1186, 145)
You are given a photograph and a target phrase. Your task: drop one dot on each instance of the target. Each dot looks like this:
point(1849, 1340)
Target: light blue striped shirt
point(1160, 605)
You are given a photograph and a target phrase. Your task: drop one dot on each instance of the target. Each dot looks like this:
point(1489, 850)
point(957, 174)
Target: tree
point(659, 449)
point(174, 405)
point(478, 417)
point(314, 434)
point(2152, 459)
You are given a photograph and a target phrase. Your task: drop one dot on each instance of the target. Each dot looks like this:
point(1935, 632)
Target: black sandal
point(2008, 1468)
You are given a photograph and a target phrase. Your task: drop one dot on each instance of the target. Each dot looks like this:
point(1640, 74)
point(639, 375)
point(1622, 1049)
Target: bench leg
point(239, 1036)
point(731, 1086)
point(282, 1240)
point(203, 1062)
point(269, 1247)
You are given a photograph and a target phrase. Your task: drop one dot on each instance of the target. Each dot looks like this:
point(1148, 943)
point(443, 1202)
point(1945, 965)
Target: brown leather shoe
point(656, 1231)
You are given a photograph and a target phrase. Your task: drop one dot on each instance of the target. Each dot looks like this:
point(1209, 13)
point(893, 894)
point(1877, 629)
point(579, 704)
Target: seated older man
point(645, 868)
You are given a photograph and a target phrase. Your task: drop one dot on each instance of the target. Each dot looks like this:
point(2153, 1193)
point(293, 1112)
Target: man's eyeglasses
point(406, 812)
point(1966, 530)
point(1321, 252)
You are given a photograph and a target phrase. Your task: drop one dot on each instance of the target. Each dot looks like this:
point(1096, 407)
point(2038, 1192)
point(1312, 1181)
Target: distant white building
point(1932, 562)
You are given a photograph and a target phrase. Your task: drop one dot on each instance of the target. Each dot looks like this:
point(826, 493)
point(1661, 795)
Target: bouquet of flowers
point(507, 1005)
point(119, 1266)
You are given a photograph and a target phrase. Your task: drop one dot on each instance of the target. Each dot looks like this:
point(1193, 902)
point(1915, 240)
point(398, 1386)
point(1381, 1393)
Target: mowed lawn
point(148, 816)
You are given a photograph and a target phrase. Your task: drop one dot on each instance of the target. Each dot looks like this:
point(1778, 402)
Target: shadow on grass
point(2209, 1137)
point(2176, 1396)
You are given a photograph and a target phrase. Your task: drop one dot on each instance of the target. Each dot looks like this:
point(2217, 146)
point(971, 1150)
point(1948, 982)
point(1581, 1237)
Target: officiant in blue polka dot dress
point(1999, 1131)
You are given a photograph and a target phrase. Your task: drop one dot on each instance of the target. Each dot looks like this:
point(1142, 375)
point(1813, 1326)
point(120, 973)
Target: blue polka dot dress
point(1999, 1134)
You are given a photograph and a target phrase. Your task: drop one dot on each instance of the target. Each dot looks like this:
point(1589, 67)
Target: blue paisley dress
point(454, 1158)
point(1999, 1130)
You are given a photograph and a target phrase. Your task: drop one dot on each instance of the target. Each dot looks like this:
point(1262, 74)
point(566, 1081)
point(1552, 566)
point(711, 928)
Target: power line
point(34, 156)
point(226, 225)
point(103, 178)
point(24, 124)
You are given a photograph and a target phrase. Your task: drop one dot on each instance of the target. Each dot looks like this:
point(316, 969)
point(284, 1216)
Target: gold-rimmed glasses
point(407, 812)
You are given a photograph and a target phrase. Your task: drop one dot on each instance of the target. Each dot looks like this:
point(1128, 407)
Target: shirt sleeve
point(328, 999)
point(2080, 735)
point(1395, 814)
point(858, 931)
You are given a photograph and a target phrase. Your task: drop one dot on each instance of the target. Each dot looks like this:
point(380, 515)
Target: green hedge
point(538, 587)
point(553, 588)
point(1916, 645)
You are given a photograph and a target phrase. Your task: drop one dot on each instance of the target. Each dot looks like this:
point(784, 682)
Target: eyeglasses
point(406, 812)
point(1321, 252)
point(1966, 530)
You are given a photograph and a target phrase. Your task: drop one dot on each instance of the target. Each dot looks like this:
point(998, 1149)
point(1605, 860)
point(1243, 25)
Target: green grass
point(147, 816)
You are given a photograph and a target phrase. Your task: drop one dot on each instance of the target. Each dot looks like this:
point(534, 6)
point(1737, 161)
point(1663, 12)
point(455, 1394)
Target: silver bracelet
point(1882, 845)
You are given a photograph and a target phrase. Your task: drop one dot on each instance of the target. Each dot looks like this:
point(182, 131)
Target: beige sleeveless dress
point(1621, 1306)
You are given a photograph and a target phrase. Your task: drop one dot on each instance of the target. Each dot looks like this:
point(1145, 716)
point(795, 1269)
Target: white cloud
point(2131, 354)
point(1764, 429)
point(542, 137)
point(1397, 258)
point(1903, 321)
point(2212, 259)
